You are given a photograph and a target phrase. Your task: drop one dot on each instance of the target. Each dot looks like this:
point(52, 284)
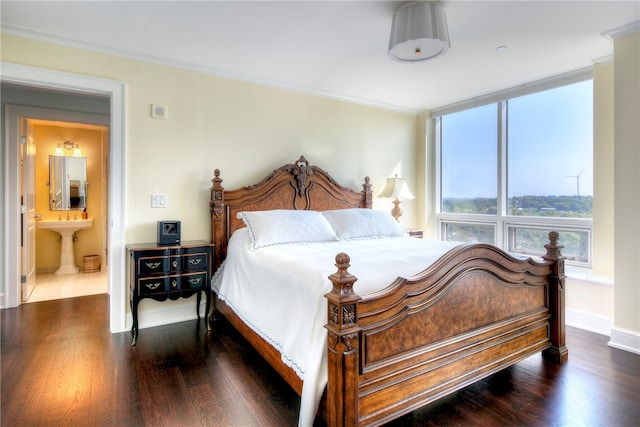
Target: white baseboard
point(589, 322)
point(165, 314)
point(621, 339)
point(625, 339)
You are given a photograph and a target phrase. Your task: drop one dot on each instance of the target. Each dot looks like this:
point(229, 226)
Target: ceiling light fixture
point(418, 32)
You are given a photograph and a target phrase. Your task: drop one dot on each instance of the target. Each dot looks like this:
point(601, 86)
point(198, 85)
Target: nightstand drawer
point(153, 286)
point(195, 262)
point(194, 281)
point(153, 265)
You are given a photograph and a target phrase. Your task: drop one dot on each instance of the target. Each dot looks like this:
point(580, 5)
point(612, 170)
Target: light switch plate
point(158, 200)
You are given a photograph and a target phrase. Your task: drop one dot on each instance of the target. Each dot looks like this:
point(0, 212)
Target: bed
point(469, 313)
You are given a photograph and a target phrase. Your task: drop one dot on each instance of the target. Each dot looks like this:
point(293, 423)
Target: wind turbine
point(577, 177)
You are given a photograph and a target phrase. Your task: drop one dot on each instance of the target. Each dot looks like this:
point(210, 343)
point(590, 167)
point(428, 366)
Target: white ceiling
point(337, 48)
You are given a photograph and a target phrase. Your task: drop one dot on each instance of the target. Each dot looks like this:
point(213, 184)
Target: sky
point(550, 143)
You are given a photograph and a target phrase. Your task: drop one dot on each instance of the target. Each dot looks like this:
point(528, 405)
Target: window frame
point(504, 224)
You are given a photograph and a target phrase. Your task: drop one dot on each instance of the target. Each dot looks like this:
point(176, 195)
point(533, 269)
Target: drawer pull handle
point(195, 261)
point(153, 285)
point(195, 281)
point(174, 283)
point(152, 265)
point(174, 263)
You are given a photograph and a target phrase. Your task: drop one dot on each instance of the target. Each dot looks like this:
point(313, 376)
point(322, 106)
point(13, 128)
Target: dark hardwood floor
point(62, 366)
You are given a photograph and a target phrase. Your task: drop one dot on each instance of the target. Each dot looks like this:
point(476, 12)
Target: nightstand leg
point(198, 299)
point(207, 294)
point(134, 327)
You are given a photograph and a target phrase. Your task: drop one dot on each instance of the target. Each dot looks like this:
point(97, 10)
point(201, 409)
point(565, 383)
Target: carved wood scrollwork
point(349, 314)
point(332, 340)
point(348, 339)
point(217, 207)
point(216, 201)
point(333, 313)
point(302, 171)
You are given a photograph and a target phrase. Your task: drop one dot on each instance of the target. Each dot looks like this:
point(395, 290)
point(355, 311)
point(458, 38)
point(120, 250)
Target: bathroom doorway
point(77, 150)
point(44, 133)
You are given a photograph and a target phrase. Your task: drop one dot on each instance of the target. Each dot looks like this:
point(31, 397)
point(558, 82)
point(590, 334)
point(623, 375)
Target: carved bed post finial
point(366, 189)
point(216, 199)
point(218, 219)
point(558, 351)
point(343, 341)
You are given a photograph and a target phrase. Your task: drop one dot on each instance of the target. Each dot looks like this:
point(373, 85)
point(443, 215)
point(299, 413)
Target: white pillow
point(281, 227)
point(352, 224)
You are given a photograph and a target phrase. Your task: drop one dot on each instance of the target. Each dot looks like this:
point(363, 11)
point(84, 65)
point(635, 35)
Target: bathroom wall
point(92, 142)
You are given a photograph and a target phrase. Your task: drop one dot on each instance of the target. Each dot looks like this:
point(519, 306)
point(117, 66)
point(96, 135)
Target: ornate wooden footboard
point(475, 311)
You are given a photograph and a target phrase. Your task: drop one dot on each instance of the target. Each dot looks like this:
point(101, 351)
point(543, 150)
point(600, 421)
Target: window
point(513, 170)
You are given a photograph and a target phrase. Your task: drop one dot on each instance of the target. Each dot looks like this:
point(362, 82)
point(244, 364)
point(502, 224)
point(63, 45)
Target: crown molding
point(47, 38)
point(625, 30)
point(604, 60)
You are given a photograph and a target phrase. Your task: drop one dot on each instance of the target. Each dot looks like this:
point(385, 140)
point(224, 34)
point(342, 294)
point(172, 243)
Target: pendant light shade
point(418, 32)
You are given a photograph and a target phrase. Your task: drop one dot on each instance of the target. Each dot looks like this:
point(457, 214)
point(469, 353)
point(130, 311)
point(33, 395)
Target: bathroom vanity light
point(68, 145)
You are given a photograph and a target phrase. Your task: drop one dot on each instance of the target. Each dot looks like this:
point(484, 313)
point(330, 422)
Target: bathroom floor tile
point(50, 286)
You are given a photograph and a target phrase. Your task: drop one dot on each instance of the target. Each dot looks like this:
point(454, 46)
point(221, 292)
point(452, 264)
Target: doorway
point(49, 81)
point(64, 177)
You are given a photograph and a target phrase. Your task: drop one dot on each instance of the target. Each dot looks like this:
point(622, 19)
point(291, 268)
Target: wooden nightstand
point(169, 272)
point(414, 232)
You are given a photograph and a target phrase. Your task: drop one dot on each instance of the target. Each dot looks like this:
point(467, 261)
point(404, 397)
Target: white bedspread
point(298, 274)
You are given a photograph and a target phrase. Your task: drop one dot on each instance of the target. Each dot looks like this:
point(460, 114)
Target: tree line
point(548, 206)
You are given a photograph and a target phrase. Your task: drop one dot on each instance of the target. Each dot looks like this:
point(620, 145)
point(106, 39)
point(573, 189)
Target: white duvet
point(297, 276)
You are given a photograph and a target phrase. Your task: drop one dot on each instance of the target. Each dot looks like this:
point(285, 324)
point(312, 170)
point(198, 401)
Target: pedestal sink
point(66, 230)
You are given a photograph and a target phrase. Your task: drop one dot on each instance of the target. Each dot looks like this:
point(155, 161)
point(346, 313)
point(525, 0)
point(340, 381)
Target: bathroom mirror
point(67, 183)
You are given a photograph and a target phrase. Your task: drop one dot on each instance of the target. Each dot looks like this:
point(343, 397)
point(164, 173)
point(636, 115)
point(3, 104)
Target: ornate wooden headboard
point(292, 186)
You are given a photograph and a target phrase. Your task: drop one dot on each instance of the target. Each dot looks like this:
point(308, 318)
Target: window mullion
point(438, 186)
point(501, 110)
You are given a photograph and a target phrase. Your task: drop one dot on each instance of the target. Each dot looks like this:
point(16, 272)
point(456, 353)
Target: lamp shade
point(418, 32)
point(396, 188)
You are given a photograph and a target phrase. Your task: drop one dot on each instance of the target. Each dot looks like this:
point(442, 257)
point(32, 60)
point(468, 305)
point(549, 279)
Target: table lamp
point(396, 188)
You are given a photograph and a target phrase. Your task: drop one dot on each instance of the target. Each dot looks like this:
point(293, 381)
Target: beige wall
point(627, 184)
point(603, 169)
point(89, 241)
point(590, 292)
